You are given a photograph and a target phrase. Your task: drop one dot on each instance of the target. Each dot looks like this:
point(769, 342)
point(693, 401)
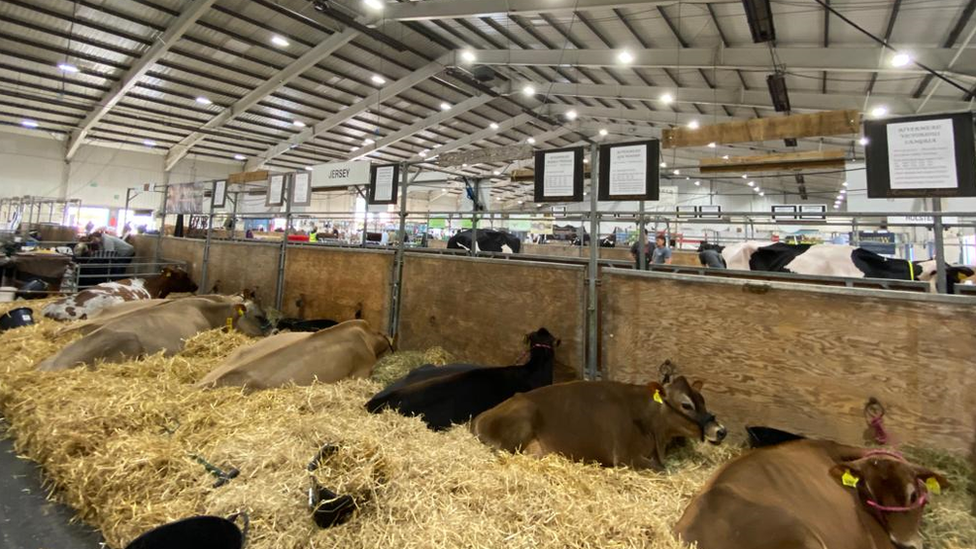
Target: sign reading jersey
point(921, 156)
point(340, 174)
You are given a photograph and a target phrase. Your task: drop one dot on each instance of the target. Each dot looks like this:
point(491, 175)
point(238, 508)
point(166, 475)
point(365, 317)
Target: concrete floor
point(27, 519)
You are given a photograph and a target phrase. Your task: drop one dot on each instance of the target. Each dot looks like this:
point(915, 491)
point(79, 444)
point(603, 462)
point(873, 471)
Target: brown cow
point(601, 421)
point(161, 328)
point(87, 303)
point(347, 350)
point(811, 494)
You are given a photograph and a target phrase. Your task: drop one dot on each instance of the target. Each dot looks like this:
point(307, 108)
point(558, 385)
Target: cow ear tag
point(849, 480)
point(657, 397)
point(230, 323)
point(933, 485)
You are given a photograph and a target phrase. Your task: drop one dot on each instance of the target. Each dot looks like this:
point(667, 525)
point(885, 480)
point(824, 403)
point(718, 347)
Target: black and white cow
point(488, 241)
point(836, 260)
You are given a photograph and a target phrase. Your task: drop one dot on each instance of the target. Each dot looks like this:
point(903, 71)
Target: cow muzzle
point(913, 543)
point(714, 432)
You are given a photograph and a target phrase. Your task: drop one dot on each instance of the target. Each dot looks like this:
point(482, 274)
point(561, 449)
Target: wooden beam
point(248, 177)
point(766, 129)
point(774, 162)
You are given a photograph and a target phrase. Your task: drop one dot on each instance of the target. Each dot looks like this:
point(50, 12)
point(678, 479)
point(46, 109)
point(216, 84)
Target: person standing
point(313, 235)
point(635, 252)
point(662, 253)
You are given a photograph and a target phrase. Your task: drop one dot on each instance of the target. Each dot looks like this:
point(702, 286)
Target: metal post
point(855, 236)
point(591, 317)
point(233, 231)
point(280, 286)
point(940, 265)
point(473, 252)
point(206, 245)
point(394, 323)
point(162, 225)
point(125, 212)
point(641, 239)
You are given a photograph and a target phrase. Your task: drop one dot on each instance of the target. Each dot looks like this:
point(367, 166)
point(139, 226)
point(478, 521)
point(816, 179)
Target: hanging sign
point(710, 211)
point(784, 211)
point(921, 156)
point(301, 189)
point(810, 212)
point(383, 184)
point(628, 171)
point(340, 174)
point(276, 190)
point(219, 196)
point(559, 175)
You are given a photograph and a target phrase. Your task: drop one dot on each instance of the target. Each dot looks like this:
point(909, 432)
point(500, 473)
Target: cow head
point(175, 280)
point(893, 491)
point(927, 271)
point(542, 338)
point(688, 415)
point(250, 319)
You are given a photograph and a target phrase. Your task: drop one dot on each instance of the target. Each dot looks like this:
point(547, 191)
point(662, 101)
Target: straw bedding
point(117, 444)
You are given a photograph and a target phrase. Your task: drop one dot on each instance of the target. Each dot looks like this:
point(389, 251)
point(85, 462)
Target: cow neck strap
point(529, 350)
point(911, 270)
point(702, 420)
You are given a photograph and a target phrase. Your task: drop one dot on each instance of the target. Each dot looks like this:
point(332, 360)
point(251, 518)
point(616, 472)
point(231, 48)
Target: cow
point(846, 261)
point(88, 302)
point(811, 494)
point(488, 241)
point(344, 351)
point(161, 328)
point(603, 422)
point(447, 395)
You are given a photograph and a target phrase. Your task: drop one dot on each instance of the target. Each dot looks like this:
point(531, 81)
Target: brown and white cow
point(161, 328)
point(601, 421)
point(344, 351)
point(90, 301)
point(811, 494)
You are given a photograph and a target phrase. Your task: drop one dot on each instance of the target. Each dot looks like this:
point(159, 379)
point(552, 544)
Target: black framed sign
point(686, 212)
point(301, 189)
point(276, 190)
point(710, 211)
point(383, 184)
point(559, 175)
point(921, 156)
point(784, 211)
point(810, 212)
point(219, 195)
point(629, 171)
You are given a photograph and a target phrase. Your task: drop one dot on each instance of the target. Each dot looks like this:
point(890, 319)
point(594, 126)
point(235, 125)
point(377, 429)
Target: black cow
point(488, 241)
point(446, 395)
point(609, 242)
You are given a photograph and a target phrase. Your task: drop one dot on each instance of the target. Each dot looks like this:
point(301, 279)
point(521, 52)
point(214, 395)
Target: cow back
point(775, 258)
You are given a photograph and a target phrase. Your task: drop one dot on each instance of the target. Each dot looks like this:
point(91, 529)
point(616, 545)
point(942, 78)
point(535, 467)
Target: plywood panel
point(799, 357)
point(335, 283)
point(765, 129)
point(480, 309)
point(774, 162)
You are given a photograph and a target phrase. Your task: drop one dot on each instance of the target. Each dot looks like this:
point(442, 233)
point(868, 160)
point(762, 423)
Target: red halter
point(919, 485)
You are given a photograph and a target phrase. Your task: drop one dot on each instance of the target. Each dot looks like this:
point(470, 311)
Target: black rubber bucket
point(761, 437)
point(201, 532)
point(33, 289)
point(16, 318)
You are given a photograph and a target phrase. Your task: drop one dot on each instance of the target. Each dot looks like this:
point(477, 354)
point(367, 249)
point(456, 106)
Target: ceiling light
point(531, 141)
point(725, 157)
point(29, 123)
point(149, 142)
point(586, 160)
point(521, 201)
point(840, 197)
point(745, 176)
point(843, 191)
point(293, 146)
point(712, 145)
point(496, 172)
point(373, 4)
point(298, 123)
point(571, 115)
point(204, 101)
point(353, 149)
point(309, 168)
point(468, 56)
point(901, 60)
point(368, 141)
point(604, 132)
point(844, 184)
point(464, 165)
point(757, 189)
point(625, 57)
point(422, 154)
point(693, 125)
point(863, 141)
point(664, 164)
point(879, 111)
point(667, 98)
point(67, 67)
point(493, 125)
point(762, 194)
point(279, 41)
point(676, 172)
point(751, 183)
point(378, 79)
point(445, 106)
point(528, 90)
point(239, 157)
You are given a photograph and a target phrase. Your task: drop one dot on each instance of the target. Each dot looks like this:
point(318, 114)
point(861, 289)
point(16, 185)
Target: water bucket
point(16, 318)
point(200, 532)
point(760, 437)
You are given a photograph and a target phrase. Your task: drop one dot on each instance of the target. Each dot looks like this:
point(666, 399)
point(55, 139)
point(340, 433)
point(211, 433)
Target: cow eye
point(687, 406)
point(914, 497)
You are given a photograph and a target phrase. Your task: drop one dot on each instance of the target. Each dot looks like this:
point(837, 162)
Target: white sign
point(920, 220)
point(340, 174)
point(781, 209)
point(813, 211)
point(384, 183)
point(301, 194)
point(276, 187)
point(628, 170)
point(667, 199)
point(559, 174)
point(710, 210)
point(220, 194)
point(922, 155)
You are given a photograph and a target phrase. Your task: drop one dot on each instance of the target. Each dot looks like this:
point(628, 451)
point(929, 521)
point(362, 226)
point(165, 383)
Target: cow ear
point(933, 481)
point(697, 385)
point(657, 391)
point(846, 474)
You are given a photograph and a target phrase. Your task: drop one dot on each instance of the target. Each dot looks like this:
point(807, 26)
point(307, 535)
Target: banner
point(340, 174)
point(186, 198)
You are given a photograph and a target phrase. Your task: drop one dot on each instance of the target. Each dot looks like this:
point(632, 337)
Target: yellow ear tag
point(230, 323)
point(849, 480)
point(657, 397)
point(933, 485)
point(240, 312)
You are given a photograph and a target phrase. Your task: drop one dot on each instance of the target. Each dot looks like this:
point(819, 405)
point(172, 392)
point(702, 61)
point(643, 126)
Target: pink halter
point(919, 485)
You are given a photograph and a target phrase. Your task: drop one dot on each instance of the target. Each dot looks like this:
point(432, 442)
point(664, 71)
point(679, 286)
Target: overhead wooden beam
point(248, 177)
point(774, 162)
point(766, 129)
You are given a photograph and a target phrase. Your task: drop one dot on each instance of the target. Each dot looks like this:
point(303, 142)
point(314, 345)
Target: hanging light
point(571, 115)
point(468, 56)
point(625, 57)
point(204, 100)
point(378, 79)
point(149, 143)
point(901, 60)
point(445, 106)
point(531, 141)
point(298, 123)
point(879, 111)
point(751, 183)
point(528, 90)
point(493, 125)
point(373, 4)
point(279, 41)
point(604, 132)
point(667, 98)
point(240, 157)
point(29, 123)
point(664, 164)
point(693, 125)
point(863, 141)
point(712, 145)
point(67, 67)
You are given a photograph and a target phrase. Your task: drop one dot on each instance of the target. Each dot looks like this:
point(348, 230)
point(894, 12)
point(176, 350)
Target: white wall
point(98, 175)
